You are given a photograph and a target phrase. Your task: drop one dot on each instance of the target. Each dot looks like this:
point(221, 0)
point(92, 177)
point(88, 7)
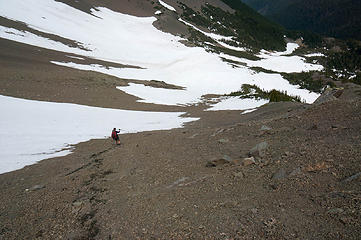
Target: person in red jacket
point(115, 136)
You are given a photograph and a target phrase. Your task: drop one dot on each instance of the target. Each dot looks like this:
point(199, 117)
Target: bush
point(254, 92)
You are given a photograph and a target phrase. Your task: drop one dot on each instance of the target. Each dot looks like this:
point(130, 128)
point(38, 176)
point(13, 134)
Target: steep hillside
point(231, 127)
point(336, 18)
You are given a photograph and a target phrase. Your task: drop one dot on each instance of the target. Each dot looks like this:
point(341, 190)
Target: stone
point(335, 211)
point(317, 167)
point(287, 154)
point(259, 150)
point(237, 162)
point(254, 210)
point(353, 177)
point(280, 174)
point(227, 158)
point(328, 95)
point(248, 161)
point(36, 187)
point(194, 135)
point(218, 162)
point(295, 172)
point(265, 128)
point(77, 203)
point(223, 140)
point(238, 174)
point(313, 127)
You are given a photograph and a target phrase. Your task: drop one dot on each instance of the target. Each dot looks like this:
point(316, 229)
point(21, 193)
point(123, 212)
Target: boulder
point(218, 162)
point(248, 161)
point(328, 95)
point(259, 150)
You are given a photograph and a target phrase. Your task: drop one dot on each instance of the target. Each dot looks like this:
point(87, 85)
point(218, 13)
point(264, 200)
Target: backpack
point(114, 134)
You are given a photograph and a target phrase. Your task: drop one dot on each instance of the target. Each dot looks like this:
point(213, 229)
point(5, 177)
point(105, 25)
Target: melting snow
point(33, 130)
point(79, 58)
point(160, 55)
point(211, 35)
point(249, 111)
point(278, 62)
point(127, 40)
point(315, 55)
point(167, 6)
point(236, 103)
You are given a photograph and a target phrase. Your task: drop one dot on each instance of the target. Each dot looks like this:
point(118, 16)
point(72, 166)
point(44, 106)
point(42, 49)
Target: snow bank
point(117, 37)
point(33, 130)
point(236, 103)
point(315, 55)
point(214, 36)
point(169, 7)
point(278, 61)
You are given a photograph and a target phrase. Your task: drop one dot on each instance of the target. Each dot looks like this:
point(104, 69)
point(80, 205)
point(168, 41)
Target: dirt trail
point(157, 185)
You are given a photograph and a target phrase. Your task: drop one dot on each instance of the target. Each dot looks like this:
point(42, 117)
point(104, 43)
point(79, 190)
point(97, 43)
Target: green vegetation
point(337, 18)
point(235, 53)
point(305, 80)
point(248, 28)
point(254, 92)
point(343, 60)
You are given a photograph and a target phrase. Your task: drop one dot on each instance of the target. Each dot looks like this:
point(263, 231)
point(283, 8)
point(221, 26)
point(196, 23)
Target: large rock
point(329, 94)
point(259, 150)
point(248, 161)
point(218, 162)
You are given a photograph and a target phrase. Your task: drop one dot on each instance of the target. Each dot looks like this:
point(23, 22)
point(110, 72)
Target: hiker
point(115, 136)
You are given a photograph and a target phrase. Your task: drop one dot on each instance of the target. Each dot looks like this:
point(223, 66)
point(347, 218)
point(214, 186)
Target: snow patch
point(278, 61)
point(315, 55)
point(79, 58)
point(31, 131)
point(211, 35)
point(236, 103)
point(249, 111)
point(169, 7)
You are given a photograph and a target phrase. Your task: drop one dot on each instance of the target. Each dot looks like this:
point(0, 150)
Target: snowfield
point(44, 128)
point(159, 54)
point(33, 130)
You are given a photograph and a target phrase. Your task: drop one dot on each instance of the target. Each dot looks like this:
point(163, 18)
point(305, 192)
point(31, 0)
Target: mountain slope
point(337, 18)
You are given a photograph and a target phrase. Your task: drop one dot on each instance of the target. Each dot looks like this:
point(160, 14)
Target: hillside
point(231, 126)
point(336, 18)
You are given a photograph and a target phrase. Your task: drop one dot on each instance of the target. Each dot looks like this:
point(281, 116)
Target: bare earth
point(189, 183)
point(156, 184)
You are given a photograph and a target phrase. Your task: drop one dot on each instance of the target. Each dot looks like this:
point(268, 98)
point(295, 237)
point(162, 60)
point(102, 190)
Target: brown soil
point(156, 184)
point(26, 72)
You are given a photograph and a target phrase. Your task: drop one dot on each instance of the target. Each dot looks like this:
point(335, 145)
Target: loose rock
point(353, 177)
point(280, 174)
point(259, 150)
point(36, 187)
point(335, 211)
point(265, 128)
point(248, 161)
point(224, 160)
point(223, 140)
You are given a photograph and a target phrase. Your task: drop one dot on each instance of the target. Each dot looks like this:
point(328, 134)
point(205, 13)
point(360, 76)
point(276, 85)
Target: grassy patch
point(248, 28)
point(305, 81)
